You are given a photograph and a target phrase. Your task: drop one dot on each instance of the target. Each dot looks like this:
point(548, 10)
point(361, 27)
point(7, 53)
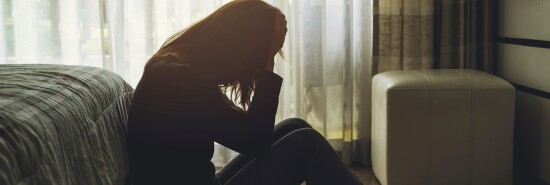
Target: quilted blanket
point(62, 125)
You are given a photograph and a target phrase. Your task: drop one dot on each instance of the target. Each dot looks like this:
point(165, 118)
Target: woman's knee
point(304, 136)
point(287, 126)
point(296, 123)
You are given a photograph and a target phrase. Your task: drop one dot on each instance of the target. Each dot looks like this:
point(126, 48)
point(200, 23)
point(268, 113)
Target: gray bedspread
point(62, 125)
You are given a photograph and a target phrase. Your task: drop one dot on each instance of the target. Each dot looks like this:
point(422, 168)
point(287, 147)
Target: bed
point(62, 125)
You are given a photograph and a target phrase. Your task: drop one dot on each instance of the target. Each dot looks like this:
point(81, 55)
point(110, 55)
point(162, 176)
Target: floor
point(365, 174)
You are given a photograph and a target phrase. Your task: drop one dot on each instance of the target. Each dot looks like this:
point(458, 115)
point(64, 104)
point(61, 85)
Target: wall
point(523, 55)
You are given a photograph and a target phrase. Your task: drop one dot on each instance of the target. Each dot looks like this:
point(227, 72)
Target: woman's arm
point(250, 132)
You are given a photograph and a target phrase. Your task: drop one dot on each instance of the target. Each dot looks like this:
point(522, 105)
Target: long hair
point(233, 43)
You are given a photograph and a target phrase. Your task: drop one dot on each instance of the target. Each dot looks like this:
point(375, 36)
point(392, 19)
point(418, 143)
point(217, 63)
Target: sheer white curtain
point(326, 70)
point(52, 31)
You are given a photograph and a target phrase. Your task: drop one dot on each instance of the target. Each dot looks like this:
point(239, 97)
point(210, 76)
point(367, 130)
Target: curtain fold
point(358, 150)
point(403, 35)
point(423, 34)
point(54, 32)
point(326, 67)
point(464, 34)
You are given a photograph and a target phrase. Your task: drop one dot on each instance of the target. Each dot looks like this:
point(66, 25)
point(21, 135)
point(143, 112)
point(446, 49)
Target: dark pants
point(298, 154)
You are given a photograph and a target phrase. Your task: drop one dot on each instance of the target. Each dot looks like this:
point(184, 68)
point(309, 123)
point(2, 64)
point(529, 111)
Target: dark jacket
point(175, 119)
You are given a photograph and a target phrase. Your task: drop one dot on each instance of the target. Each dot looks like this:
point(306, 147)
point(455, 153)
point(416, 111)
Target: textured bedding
point(62, 125)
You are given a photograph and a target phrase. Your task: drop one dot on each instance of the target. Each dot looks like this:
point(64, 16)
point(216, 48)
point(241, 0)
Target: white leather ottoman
point(442, 127)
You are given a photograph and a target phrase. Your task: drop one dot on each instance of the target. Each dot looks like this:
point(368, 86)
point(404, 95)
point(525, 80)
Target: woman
point(179, 108)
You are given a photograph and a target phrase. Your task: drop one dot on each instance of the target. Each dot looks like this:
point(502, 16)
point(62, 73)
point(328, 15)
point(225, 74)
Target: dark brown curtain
point(464, 34)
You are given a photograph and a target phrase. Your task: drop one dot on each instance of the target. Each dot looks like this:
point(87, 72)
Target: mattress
point(62, 125)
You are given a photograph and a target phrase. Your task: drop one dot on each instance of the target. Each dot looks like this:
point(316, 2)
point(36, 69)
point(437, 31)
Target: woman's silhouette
point(180, 108)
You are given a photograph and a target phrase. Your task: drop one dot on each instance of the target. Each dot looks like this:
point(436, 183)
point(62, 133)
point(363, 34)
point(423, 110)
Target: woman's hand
point(278, 39)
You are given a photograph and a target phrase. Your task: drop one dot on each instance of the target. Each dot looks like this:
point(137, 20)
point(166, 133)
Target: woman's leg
point(302, 155)
point(279, 131)
point(287, 126)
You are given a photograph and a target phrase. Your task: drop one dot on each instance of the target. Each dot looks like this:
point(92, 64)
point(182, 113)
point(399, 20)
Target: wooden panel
point(533, 134)
point(527, 66)
point(526, 19)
